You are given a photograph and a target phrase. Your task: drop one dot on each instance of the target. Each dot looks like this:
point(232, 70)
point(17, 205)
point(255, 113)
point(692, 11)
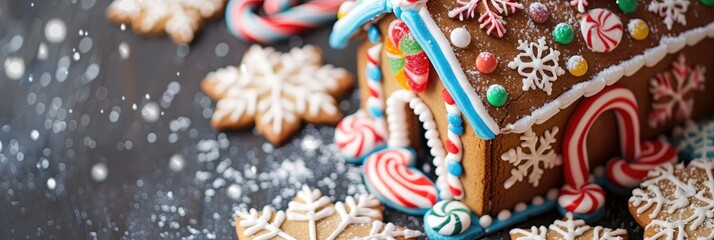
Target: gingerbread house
point(514, 98)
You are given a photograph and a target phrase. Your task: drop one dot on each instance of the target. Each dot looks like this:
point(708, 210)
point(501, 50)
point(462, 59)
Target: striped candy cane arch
point(581, 196)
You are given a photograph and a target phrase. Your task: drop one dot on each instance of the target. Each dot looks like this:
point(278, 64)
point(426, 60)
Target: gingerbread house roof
point(672, 24)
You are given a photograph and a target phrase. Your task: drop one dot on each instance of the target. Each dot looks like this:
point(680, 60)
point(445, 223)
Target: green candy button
point(496, 95)
point(563, 33)
point(708, 3)
point(629, 6)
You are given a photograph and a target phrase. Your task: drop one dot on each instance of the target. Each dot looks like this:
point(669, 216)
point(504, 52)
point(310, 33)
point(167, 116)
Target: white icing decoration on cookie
point(569, 228)
point(538, 64)
point(360, 212)
point(533, 152)
point(389, 231)
point(255, 222)
point(683, 197)
point(609, 76)
point(181, 18)
point(314, 205)
point(277, 88)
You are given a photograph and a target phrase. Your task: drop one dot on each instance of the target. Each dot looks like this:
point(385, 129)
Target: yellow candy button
point(639, 30)
point(577, 66)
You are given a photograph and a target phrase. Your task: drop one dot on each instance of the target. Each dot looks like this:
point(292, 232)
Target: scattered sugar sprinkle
point(55, 30)
point(99, 172)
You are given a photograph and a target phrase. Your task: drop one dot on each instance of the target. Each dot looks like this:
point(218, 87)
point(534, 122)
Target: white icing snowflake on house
point(695, 140)
point(581, 4)
point(489, 19)
point(672, 92)
point(276, 91)
point(179, 18)
point(355, 215)
point(569, 228)
point(678, 201)
point(537, 64)
point(671, 10)
point(533, 152)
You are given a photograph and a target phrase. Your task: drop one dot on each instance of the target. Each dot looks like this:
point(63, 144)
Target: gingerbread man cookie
point(277, 91)
point(313, 216)
point(568, 228)
point(676, 201)
point(180, 19)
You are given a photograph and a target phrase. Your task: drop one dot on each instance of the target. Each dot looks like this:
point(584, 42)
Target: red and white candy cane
point(360, 134)
point(356, 135)
point(375, 99)
point(580, 196)
point(245, 23)
point(271, 7)
point(452, 168)
point(390, 175)
point(628, 174)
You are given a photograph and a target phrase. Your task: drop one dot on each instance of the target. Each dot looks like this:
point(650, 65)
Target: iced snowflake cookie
point(568, 228)
point(676, 201)
point(313, 216)
point(277, 91)
point(180, 19)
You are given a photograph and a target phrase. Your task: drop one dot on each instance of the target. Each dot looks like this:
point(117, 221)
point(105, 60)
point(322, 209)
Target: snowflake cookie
point(276, 91)
point(676, 201)
point(538, 64)
point(672, 92)
point(568, 228)
point(180, 19)
point(313, 216)
point(533, 152)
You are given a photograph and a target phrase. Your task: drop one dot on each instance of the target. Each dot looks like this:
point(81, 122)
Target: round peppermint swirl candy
point(356, 135)
point(449, 217)
point(601, 29)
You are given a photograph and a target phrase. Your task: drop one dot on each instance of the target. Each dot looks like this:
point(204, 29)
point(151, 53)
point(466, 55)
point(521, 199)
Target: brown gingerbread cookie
point(277, 91)
point(676, 201)
point(180, 19)
point(313, 216)
point(568, 228)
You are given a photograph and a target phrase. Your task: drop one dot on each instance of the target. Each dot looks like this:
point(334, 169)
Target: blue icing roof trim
point(437, 48)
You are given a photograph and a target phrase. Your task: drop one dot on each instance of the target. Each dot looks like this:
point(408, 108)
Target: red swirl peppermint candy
point(390, 176)
point(356, 136)
point(627, 174)
point(601, 29)
point(587, 199)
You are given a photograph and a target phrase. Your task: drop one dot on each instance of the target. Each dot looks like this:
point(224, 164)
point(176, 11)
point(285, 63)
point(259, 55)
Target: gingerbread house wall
point(475, 150)
point(484, 170)
point(603, 138)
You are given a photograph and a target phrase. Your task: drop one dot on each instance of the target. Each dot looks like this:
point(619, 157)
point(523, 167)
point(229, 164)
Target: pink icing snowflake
point(581, 4)
point(491, 20)
point(669, 93)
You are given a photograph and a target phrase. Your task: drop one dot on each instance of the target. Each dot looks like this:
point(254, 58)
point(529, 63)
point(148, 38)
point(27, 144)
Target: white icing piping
point(611, 75)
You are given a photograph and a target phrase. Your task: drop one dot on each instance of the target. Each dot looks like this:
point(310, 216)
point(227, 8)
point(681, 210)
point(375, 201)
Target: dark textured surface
point(56, 130)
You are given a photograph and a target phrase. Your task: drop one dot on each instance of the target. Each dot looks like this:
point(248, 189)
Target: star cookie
point(180, 19)
point(568, 228)
point(277, 91)
point(676, 201)
point(313, 216)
